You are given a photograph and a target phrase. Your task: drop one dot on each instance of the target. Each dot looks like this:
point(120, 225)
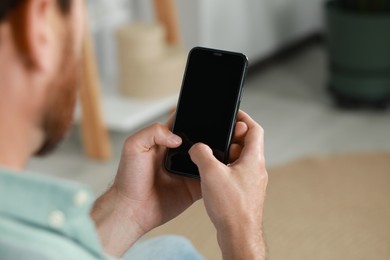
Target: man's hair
point(7, 6)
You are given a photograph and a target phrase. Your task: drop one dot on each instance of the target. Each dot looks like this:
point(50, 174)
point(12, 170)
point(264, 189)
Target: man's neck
point(16, 145)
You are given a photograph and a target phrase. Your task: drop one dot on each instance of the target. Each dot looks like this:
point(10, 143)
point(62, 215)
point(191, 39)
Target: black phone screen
point(207, 107)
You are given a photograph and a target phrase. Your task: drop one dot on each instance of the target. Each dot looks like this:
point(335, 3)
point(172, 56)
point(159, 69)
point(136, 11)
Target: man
point(40, 218)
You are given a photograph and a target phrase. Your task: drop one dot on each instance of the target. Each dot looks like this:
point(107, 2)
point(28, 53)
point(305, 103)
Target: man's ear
point(34, 33)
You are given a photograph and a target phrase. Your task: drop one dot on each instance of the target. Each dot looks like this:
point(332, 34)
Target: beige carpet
point(316, 208)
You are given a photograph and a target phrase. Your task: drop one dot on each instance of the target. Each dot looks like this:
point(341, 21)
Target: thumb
point(203, 157)
point(154, 135)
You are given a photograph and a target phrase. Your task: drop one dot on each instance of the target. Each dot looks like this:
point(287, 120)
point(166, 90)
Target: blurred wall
point(255, 27)
point(104, 18)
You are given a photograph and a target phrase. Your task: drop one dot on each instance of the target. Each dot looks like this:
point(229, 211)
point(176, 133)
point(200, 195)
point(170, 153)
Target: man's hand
point(143, 195)
point(234, 194)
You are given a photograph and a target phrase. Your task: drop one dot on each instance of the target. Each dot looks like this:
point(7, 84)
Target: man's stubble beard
point(61, 100)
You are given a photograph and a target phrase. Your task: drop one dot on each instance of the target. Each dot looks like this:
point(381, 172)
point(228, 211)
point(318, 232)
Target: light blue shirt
point(43, 218)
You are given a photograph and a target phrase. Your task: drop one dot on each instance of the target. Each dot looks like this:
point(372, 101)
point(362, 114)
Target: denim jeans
point(163, 248)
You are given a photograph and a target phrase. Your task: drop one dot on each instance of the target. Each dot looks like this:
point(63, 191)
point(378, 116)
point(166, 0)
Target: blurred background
point(319, 84)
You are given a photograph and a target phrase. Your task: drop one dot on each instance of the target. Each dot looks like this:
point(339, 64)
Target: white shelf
point(124, 114)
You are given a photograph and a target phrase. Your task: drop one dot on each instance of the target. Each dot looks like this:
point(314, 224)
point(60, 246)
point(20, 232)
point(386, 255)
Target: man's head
point(40, 45)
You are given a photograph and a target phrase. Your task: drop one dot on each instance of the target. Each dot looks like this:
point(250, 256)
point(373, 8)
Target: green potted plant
point(358, 39)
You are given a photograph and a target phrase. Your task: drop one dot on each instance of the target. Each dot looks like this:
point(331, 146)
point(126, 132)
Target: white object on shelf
point(148, 66)
point(126, 114)
point(123, 114)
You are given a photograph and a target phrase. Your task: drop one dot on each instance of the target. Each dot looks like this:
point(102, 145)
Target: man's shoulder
point(48, 216)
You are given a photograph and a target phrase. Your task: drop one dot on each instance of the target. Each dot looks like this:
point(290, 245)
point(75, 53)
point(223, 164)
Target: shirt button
point(56, 219)
point(80, 199)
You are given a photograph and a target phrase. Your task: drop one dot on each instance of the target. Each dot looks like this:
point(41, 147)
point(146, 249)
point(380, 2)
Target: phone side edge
point(237, 107)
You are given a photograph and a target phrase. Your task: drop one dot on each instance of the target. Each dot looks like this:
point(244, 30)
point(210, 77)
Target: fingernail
point(174, 139)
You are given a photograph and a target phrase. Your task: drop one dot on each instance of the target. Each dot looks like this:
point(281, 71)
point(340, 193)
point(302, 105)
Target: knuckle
point(261, 164)
point(264, 175)
point(156, 127)
point(129, 140)
point(262, 161)
point(128, 144)
point(260, 129)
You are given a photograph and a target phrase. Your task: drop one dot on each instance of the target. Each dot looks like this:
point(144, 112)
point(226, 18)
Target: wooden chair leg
point(95, 136)
point(94, 133)
point(166, 13)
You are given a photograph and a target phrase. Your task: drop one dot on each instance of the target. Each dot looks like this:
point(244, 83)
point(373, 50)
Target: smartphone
point(207, 108)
